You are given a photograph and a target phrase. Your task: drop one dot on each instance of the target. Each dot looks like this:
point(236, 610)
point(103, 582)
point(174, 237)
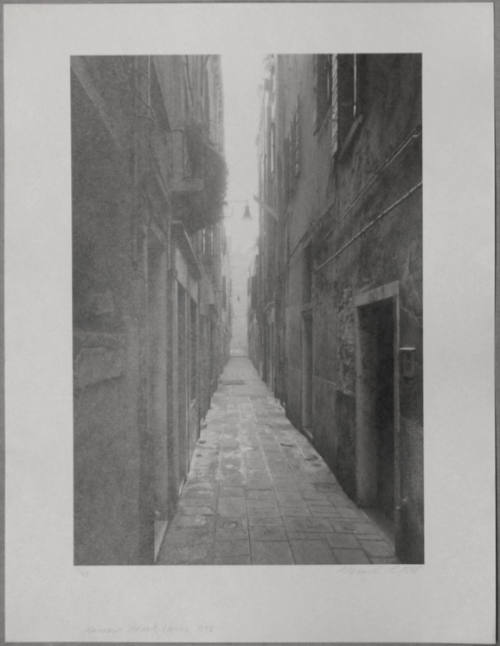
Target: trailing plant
point(206, 163)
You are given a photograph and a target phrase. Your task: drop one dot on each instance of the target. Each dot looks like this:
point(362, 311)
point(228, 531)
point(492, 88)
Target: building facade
point(151, 311)
point(335, 314)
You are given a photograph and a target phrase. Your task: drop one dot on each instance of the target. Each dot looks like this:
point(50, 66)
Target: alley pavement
point(259, 493)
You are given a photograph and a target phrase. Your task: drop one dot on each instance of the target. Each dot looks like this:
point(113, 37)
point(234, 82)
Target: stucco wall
point(361, 210)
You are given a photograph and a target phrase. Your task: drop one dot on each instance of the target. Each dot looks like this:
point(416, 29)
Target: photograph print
point(247, 309)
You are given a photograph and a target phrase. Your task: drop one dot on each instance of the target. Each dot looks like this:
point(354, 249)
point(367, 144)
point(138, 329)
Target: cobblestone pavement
point(259, 493)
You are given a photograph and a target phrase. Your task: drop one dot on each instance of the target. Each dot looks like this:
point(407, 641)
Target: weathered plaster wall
point(388, 251)
point(340, 206)
point(106, 310)
point(135, 421)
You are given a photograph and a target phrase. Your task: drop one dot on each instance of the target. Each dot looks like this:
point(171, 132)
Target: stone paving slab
point(258, 492)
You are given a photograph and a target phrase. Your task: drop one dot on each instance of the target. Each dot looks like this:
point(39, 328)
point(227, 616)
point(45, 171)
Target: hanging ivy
point(206, 163)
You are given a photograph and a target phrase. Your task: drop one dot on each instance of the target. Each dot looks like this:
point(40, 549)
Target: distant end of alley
point(258, 492)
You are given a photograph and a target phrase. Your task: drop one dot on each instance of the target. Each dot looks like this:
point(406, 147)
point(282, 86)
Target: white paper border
point(451, 597)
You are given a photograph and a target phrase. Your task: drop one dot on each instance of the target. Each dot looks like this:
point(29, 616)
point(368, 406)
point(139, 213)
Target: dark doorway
point(384, 407)
point(376, 419)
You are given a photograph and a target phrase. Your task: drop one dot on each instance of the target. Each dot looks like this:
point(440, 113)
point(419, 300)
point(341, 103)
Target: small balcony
point(196, 173)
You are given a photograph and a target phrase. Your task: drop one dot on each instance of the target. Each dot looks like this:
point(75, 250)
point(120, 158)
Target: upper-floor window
point(351, 99)
point(324, 86)
point(340, 81)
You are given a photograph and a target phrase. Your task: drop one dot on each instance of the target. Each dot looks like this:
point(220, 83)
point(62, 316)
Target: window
point(340, 81)
point(324, 87)
point(351, 77)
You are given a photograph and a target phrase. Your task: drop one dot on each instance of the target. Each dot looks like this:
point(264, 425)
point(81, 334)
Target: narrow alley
point(258, 493)
point(247, 309)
